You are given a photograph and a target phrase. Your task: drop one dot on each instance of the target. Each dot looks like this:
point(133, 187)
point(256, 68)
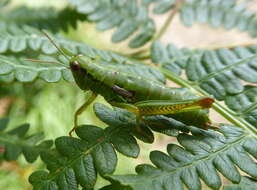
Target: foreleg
point(89, 99)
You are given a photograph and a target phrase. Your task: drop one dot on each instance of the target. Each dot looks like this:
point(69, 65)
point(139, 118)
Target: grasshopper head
point(79, 74)
point(74, 65)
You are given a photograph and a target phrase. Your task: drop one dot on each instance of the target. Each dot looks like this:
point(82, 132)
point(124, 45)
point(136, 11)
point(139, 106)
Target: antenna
point(55, 45)
point(43, 61)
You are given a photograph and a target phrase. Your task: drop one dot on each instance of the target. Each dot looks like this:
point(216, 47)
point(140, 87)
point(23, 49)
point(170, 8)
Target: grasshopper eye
point(74, 65)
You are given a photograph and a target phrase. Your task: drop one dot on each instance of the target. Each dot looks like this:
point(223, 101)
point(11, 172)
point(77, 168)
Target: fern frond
point(246, 183)
point(159, 124)
point(16, 141)
point(170, 57)
point(218, 72)
point(16, 39)
point(229, 14)
point(244, 104)
point(12, 68)
point(127, 16)
point(43, 18)
point(201, 156)
point(29, 41)
point(77, 161)
point(116, 186)
point(161, 6)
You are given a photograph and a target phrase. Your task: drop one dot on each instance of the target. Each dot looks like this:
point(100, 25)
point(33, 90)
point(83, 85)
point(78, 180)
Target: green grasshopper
point(143, 97)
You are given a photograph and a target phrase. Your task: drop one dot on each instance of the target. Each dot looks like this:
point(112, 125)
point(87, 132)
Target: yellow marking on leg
point(162, 110)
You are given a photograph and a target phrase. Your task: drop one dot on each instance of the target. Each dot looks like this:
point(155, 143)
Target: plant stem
point(168, 21)
point(226, 113)
point(145, 53)
point(237, 121)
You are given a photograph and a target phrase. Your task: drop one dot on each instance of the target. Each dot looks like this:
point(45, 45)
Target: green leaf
point(20, 131)
point(159, 53)
point(170, 57)
point(166, 125)
point(3, 123)
point(68, 165)
point(218, 72)
point(105, 158)
point(230, 14)
point(32, 154)
point(127, 16)
point(187, 14)
point(39, 181)
point(163, 6)
point(26, 71)
point(246, 183)
point(244, 104)
point(125, 144)
point(127, 120)
point(126, 29)
point(16, 141)
point(145, 35)
point(42, 18)
point(162, 124)
point(115, 186)
point(77, 161)
point(5, 66)
point(200, 156)
point(117, 117)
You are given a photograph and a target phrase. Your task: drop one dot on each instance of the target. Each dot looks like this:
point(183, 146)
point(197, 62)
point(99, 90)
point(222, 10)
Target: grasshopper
point(142, 96)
